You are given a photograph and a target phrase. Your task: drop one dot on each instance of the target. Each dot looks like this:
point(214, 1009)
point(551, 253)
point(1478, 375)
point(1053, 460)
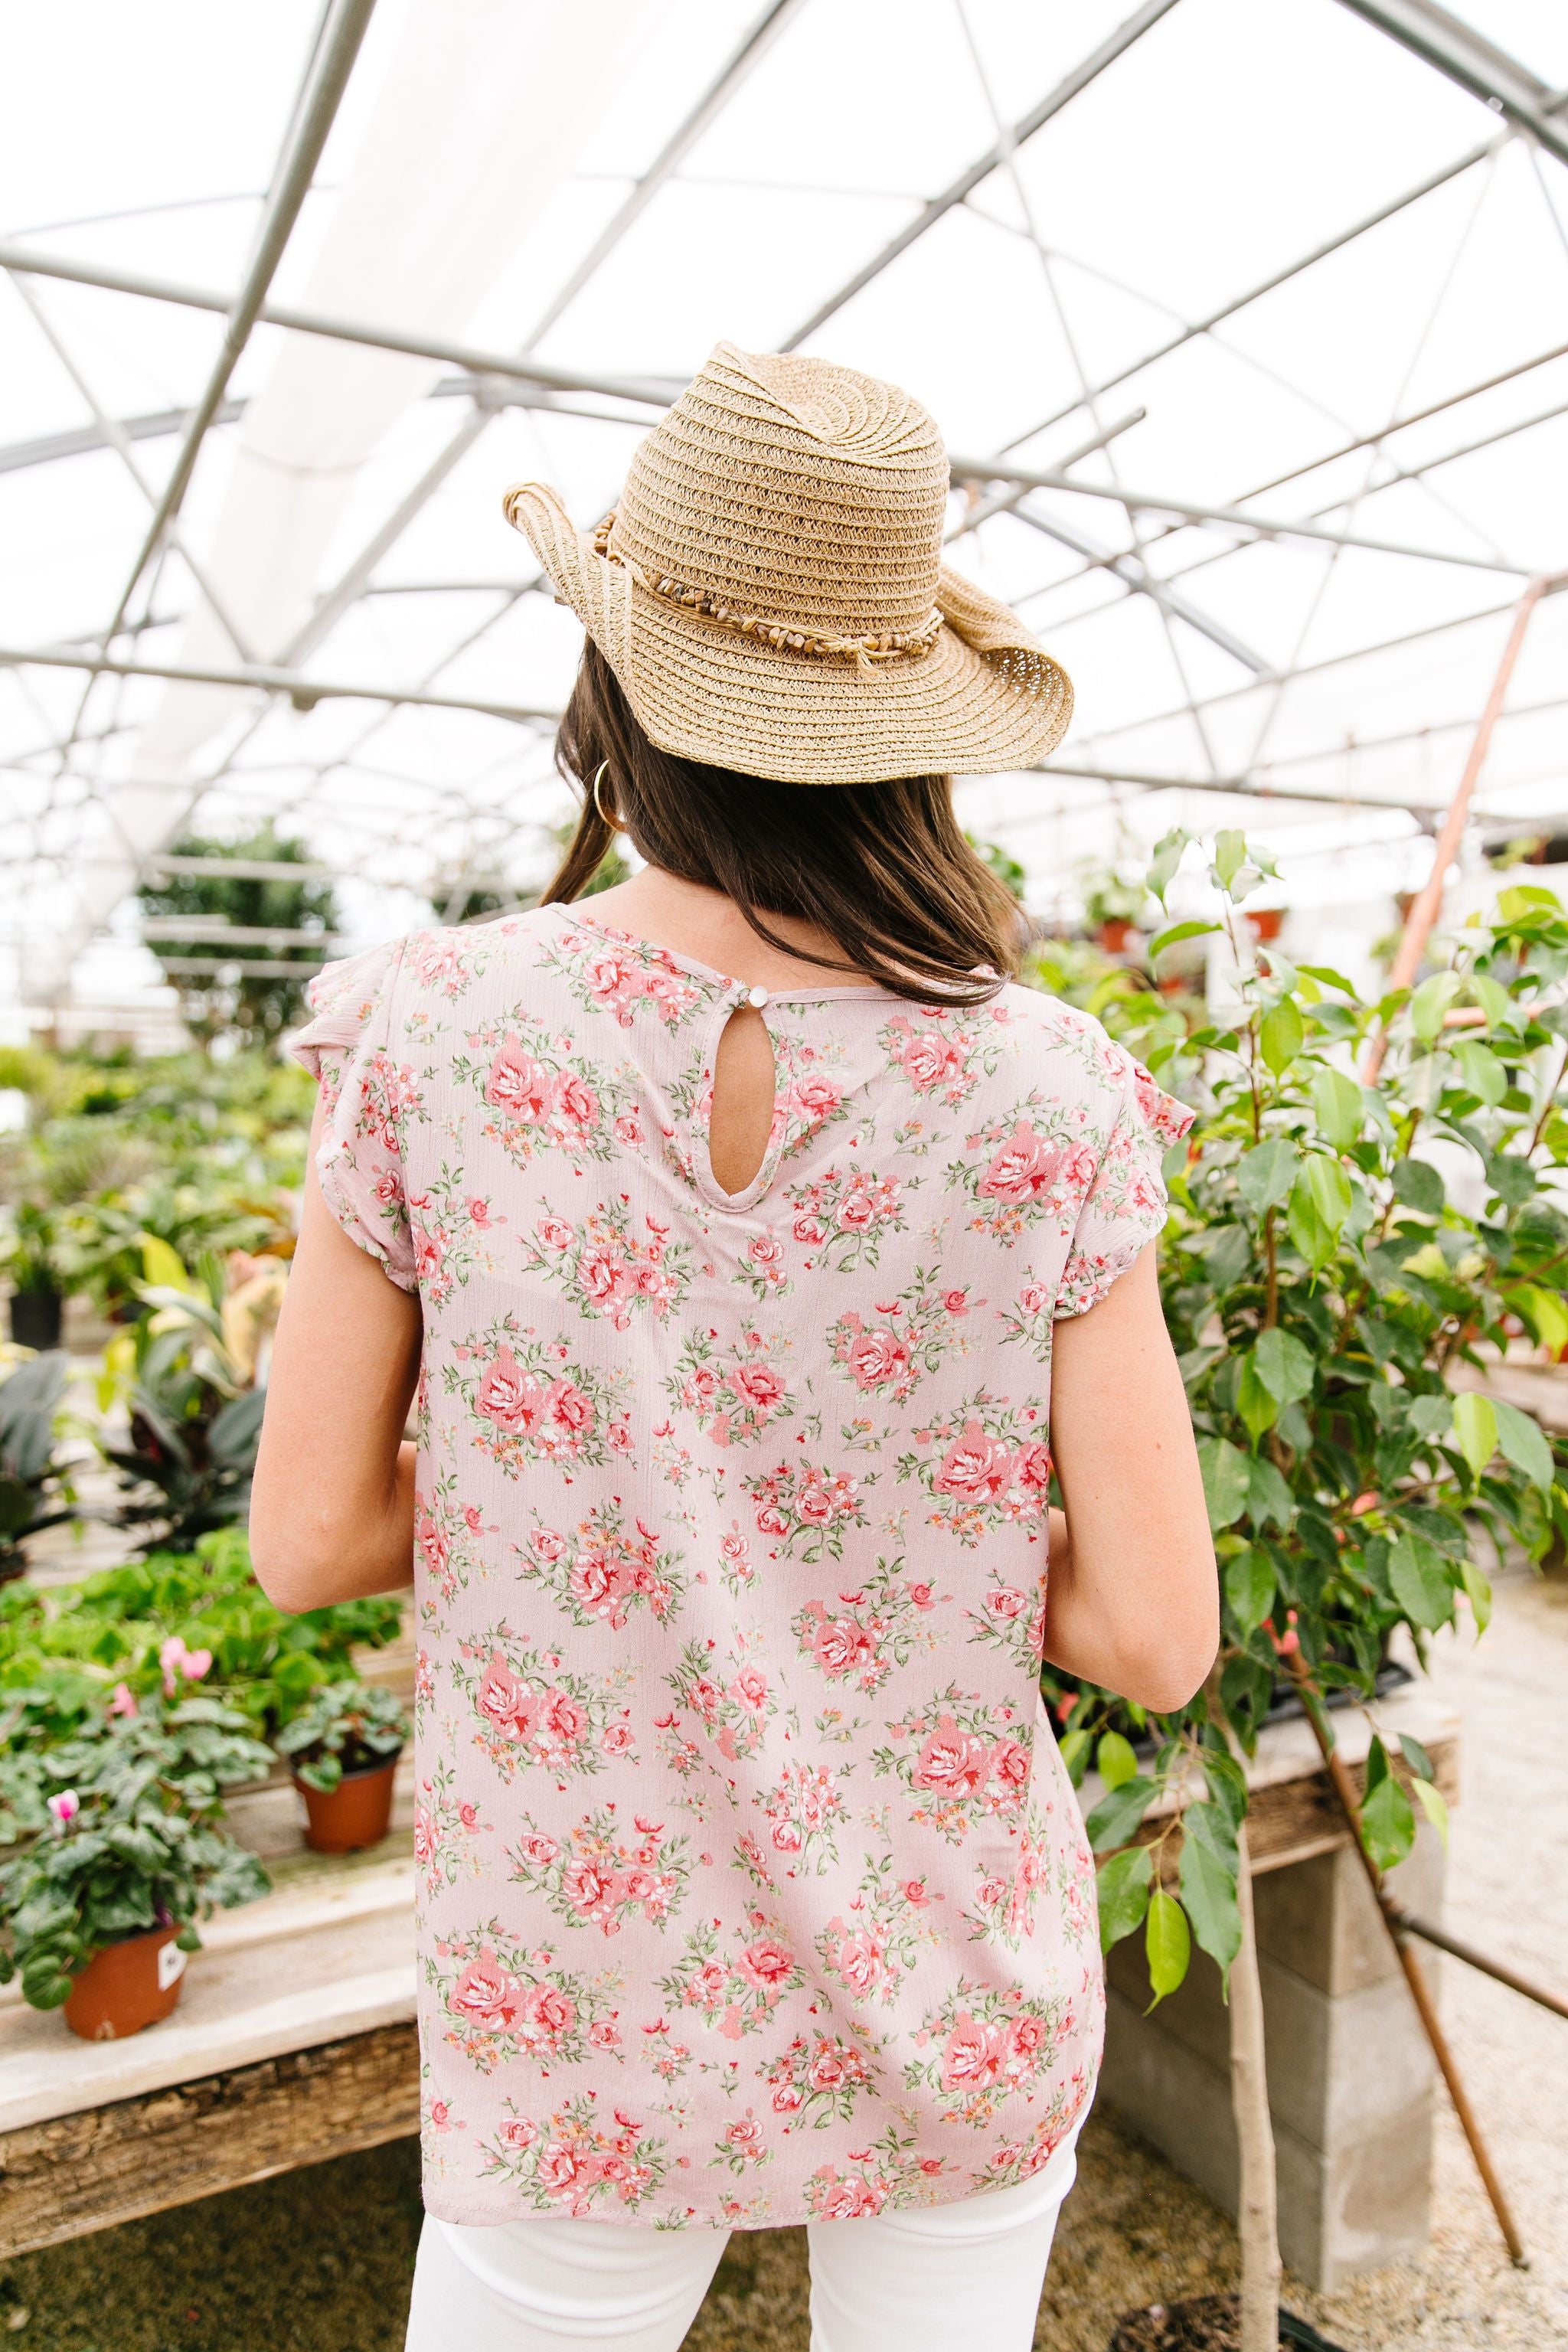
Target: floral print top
point(752, 1887)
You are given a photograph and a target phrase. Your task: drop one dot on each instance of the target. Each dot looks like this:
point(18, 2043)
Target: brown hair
point(883, 869)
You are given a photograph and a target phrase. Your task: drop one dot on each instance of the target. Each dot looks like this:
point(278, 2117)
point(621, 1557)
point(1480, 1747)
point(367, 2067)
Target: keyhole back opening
point(745, 1090)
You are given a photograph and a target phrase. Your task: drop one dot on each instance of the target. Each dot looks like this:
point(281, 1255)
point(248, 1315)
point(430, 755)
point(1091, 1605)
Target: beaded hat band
point(887, 645)
point(770, 590)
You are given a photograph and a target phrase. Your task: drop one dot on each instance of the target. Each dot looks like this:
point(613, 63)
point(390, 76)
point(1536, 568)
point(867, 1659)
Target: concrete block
point(1350, 2074)
point(1319, 1918)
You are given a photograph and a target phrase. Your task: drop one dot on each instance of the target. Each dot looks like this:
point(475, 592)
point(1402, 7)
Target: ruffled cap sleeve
point(1125, 1207)
point(350, 1045)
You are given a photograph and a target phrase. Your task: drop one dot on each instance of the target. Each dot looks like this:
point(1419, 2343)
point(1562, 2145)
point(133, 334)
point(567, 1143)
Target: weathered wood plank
point(105, 2165)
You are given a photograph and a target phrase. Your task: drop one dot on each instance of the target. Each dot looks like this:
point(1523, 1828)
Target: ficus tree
point(1340, 1258)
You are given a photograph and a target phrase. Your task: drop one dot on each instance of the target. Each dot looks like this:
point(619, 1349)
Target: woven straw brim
point(985, 698)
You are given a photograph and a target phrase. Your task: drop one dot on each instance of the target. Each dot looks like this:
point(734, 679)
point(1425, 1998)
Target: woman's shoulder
point(1063, 1035)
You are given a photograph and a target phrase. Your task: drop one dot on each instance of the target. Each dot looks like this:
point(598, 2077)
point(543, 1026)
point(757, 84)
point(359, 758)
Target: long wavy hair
point(884, 870)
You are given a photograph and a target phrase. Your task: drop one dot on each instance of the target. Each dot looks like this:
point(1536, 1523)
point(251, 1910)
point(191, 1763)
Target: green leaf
point(1284, 1366)
point(1416, 1755)
point(1268, 1496)
point(1479, 1589)
point(1417, 1183)
point(1116, 1816)
point(1226, 1784)
point(1388, 1823)
point(1124, 1891)
point(1208, 1883)
point(1475, 1428)
point(1319, 1204)
point(1420, 1582)
point(1167, 1943)
point(1229, 857)
point(1115, 1762)
point(1524, 1443)
point(1433, 1804)
point(1429, 1003)
point(1177, 932)
point(1168, 854)
point(1263, 1175)
point(1257, 1407)
point(1280, 1034)
point(1340, 1107)
point(1483, 1074)
point(1073, 1747)
point(1328, 977)
point(1250, 1588)
point(1432, 1416)
point(1225, 1477)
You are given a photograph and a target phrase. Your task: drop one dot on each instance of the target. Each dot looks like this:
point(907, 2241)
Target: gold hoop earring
point(605, 817)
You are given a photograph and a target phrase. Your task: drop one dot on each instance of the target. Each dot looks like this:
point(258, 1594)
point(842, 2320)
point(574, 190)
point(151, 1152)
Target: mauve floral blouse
point(752, 1887)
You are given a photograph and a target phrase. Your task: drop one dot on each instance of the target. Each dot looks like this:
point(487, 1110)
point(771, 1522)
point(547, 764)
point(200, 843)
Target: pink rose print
point(978, 1468)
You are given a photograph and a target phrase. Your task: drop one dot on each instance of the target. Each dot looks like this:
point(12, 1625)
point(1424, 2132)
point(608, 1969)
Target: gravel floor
point(320, 2261)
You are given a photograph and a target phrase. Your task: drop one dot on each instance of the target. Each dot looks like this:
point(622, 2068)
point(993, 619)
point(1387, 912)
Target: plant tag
point(171, 1966)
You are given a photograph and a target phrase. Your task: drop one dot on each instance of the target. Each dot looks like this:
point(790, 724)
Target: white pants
point(965, 2277)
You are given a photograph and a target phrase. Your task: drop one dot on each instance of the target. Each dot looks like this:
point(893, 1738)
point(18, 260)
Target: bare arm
point(1133, 1599)
point(331, 1514)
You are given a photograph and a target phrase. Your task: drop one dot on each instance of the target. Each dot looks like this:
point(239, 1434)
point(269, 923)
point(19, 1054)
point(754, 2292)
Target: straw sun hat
point(771, 593)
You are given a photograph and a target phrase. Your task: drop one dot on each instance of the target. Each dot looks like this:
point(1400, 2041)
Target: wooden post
point(1429, 900)
point(1258, 2219)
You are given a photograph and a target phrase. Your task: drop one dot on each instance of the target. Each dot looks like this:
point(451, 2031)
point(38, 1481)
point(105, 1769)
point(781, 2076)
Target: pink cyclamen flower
point(180, 1664)
point(122, 1700)
point(65, 1806)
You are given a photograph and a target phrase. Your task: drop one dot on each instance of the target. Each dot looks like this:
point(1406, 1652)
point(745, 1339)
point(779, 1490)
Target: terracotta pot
point(1114, 936)
point(357, 1812)
point(126, 1986)
point(1268, 923)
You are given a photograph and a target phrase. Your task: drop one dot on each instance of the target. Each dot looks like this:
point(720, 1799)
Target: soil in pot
point(356, 1813)
point(1206, 2323)
point(36, 1318)
point(127, 1986)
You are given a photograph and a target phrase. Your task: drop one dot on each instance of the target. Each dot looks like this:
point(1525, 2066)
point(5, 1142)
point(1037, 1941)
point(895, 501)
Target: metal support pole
point(1408, 1925)
point(1115, 46)
point(1414, 1975)
point(1428, 903)
point(340, 48)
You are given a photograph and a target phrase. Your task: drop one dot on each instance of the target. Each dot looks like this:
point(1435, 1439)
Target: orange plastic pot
point(1114, 936)
point(357, 1812)
point(127, 1986)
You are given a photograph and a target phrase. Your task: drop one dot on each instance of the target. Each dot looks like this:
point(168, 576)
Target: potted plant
point(32, 1261)
point(120, 1851)
point(1113, 907)
point(1322, 1285)
point(195, 1419)
point(36, 1491)
point(344, 1747)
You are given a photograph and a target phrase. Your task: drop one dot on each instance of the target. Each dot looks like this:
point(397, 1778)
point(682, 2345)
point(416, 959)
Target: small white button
point(757, 997)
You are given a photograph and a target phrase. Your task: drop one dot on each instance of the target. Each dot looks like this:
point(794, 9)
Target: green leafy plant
point(64, 1649)
point(194, 1419)
point(36, 1489)
point(346, 1726)
point(130, 1840)
point(229, 1003)
point(1329, 1288)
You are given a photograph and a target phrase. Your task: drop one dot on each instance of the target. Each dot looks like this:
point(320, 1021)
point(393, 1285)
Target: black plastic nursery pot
point(1206, 2323)
point(127, 1986)
point(357, 1812)
point(36, 1318)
